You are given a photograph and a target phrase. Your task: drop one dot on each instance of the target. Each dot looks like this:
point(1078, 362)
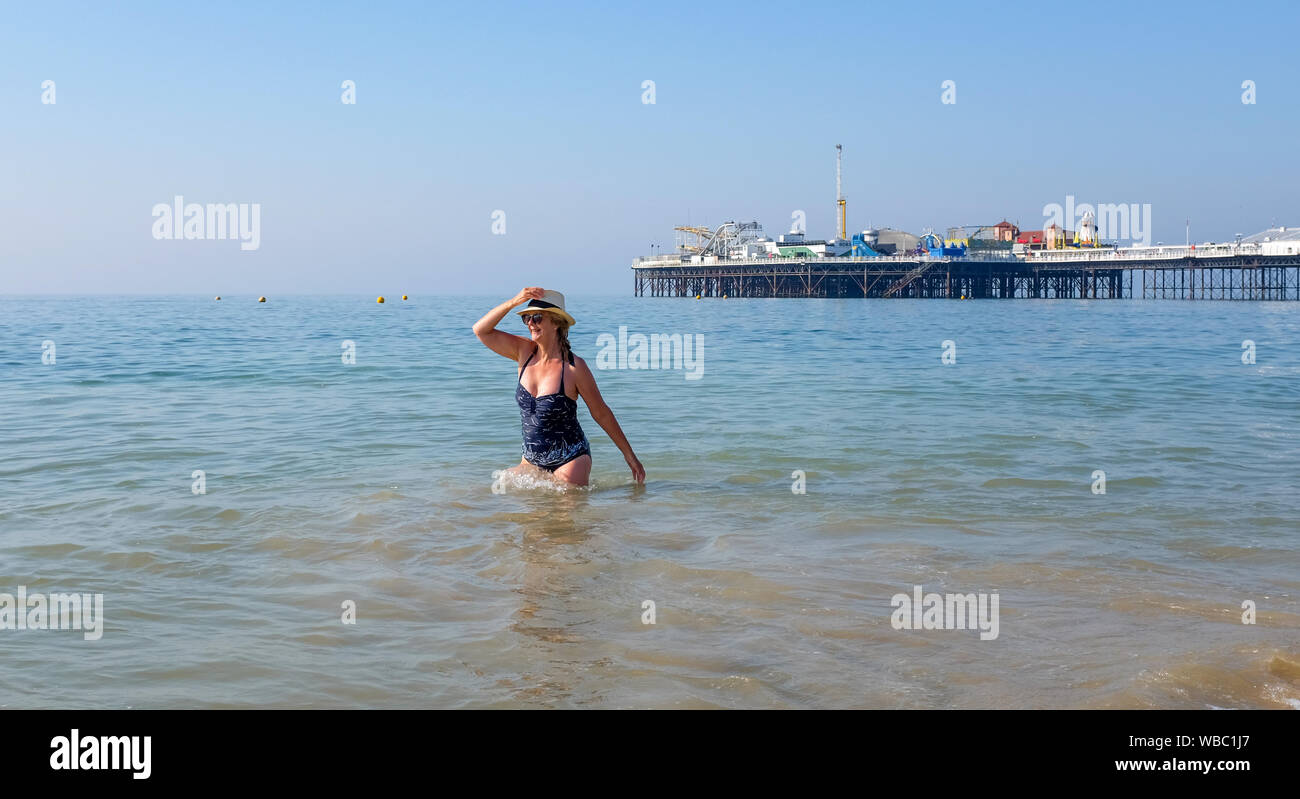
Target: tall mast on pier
point(839, 190)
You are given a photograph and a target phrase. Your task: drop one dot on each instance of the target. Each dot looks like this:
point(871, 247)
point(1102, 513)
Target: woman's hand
point(638, 471)
point(502, 343)
point(524, 295)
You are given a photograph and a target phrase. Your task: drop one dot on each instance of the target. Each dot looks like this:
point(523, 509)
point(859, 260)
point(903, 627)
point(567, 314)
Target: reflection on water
point(551, 543)
point(552, 535)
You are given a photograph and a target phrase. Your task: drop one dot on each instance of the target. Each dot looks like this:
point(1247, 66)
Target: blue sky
point(536, 110)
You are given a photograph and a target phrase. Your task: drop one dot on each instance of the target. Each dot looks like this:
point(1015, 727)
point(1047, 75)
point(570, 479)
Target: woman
point(550, 381)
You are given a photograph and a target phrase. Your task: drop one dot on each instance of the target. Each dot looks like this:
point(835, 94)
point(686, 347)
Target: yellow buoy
point(261, 299)
point(697, 296)
point(403, 296)
point(380, 300)
point(724, 296)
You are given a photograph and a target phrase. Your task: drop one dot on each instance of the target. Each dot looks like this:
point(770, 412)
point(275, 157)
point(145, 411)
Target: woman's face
point(539, 329)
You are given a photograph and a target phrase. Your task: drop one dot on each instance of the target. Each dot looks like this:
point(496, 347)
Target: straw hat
point(551, 301)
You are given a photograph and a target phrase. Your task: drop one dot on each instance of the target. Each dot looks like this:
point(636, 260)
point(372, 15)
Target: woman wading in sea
point(553, 440)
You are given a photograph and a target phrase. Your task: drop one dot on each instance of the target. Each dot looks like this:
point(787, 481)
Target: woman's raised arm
point(502, 343)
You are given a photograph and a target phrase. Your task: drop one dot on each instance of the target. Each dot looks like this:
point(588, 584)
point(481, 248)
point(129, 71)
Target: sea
point(301, 504)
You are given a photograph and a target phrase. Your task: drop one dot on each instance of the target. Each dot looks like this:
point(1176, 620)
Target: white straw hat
point(550, 301)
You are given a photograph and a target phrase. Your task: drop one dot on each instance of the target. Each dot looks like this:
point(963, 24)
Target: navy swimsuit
point(552, 436)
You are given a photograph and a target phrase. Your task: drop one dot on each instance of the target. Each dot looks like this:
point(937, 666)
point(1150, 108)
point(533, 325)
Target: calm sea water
point(372, 483)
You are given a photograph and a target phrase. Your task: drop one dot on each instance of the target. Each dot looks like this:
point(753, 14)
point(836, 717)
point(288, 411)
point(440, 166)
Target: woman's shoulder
point(580, 371)
point(526, 352)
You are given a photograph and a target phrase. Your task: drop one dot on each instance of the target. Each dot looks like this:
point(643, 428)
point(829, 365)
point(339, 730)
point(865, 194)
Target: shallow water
point(373, 483)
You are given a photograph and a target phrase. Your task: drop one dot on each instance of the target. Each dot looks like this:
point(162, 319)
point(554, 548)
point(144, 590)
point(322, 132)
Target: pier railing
point(665, 261)
point(1163, 253)
point(1110, 256)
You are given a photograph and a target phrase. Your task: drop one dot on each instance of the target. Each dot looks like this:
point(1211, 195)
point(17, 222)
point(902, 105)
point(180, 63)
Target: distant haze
point(537, 111)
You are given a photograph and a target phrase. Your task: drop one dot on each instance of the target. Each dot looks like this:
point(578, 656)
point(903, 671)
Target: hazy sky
point(536, 110)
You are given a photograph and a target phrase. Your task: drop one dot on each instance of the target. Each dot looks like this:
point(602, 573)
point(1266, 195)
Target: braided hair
point(562, 331)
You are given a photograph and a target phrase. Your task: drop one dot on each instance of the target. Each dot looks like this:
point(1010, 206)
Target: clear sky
point(536, 110)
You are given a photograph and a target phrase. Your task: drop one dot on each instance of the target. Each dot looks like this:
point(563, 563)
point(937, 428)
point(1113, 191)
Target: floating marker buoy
point(261, 299)
point(697, 296)
point(380, 300)
point(724, 296)
point(403, 296)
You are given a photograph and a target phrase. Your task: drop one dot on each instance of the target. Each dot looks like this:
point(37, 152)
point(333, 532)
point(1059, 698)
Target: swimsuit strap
point(525, 366)
point(530, 360)
point(571, 363)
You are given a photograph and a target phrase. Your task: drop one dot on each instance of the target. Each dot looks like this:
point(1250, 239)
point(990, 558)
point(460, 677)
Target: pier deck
point(1221, 272)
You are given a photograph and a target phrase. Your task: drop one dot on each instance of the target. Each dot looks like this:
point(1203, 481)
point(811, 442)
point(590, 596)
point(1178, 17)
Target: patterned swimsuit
point(552, 436)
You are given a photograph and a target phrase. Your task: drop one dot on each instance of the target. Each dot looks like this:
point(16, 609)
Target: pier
point(1214, 272)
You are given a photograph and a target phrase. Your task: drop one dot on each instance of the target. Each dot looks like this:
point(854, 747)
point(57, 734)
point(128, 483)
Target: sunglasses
point(533, 318)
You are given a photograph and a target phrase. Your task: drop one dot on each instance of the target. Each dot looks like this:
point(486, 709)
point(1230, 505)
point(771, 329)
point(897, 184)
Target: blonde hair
point(562, 332)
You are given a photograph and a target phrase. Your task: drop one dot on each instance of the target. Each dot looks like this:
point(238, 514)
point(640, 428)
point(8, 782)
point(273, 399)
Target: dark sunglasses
point(532, 317)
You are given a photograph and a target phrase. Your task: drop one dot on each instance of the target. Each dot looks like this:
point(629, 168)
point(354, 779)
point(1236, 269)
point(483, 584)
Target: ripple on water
point(374, 483)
